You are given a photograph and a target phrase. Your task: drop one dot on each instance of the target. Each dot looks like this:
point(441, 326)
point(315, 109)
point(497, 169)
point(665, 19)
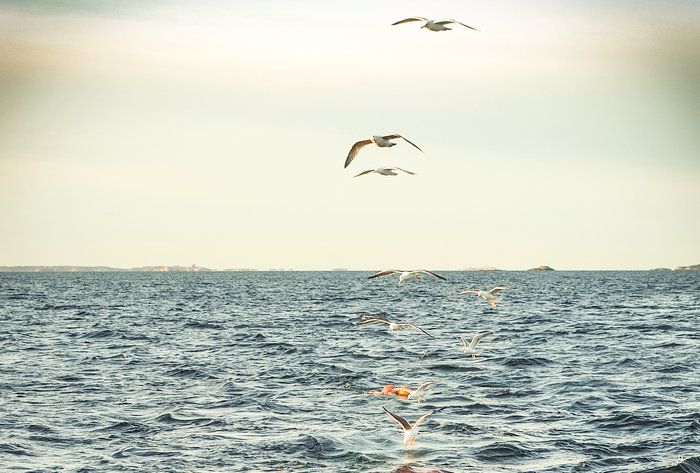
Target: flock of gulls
point(468, 347)
point(385, 141)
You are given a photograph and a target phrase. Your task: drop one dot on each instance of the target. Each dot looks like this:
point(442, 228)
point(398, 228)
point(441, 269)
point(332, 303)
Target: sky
point(563, 132)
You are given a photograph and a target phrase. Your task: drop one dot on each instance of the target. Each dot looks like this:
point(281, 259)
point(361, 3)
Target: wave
point(18, 450)
point(172, 419)
point(503, 451)
point(191, 373)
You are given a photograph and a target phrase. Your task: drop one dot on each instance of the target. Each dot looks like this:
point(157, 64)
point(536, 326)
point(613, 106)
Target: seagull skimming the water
point(409, 431)
point(386, 172)
point(381, 141)
point(433, 25)
point(370, 319)
point(420, 390)
point(404, 274)
point(488, 296)
point(470, 349)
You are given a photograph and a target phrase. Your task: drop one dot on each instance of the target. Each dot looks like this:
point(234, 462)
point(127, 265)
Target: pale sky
point(564, 133)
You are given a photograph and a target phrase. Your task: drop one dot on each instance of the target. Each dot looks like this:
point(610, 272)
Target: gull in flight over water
point(386, 172)
point(381, 141)
point(393, 326)
point(470, 349)
point(404, 274)
point(409, 431)
point(433, 25)
point(488, 296)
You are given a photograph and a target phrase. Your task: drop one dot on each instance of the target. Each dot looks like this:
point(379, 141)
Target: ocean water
point(269, 371)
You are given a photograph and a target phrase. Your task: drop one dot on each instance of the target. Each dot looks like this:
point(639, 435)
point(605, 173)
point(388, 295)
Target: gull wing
point(497, 289)
point(420, 420)
point(464, 341)
point(407, 172)
point(406, 20)
point(447, 22)
point(477, 338)
point(431, 273)
point(354, 150)
point(405, 426)
point(420, 389)
point(385, 272)
point(395, 136)
point(407, 324)
point(468, 291)
point(364, 172)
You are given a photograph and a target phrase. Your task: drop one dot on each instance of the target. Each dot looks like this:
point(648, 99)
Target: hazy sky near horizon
point(212, 132)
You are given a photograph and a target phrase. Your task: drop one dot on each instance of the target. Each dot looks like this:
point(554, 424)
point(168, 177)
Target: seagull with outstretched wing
point(405, 274)
point(392, 326)
point(433, 25)
point(385, 172)
point(381, 141)
point(488, 296)
point(470, 349)
point(409, 431)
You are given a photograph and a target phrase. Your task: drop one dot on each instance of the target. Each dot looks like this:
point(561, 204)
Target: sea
point(270, 371)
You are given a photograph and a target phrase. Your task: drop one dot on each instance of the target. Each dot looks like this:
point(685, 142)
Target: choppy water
point(586, 371)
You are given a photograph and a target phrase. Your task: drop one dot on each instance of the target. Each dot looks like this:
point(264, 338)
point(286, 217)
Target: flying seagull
point(404, 274)
point(433, 25)
point(386, 172)
point(488, 296)
point(470, 348)
point(381, 141)
point(409, 431)
point(369, 319)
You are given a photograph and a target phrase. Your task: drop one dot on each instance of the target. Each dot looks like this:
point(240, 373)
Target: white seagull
point(405, 274)
point(381, 141)
point(488, 296)
point(386, 172)
point(420, 390)
point(470, 349)
point(433, 25)
point(409, 431)
point(393, 326)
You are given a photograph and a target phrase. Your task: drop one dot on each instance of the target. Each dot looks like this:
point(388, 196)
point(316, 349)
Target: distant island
point(100, 269)
point(692, 267)
point(541, 268)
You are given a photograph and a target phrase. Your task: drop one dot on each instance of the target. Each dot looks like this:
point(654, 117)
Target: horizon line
point(197, 268)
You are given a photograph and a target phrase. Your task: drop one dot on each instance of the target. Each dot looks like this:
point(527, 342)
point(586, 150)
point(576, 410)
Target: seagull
point(402, 391)
point(470, 349)
point(370, 319)
point(386, 172)
point(404, 274)
point(409, 431)
point(419, 390)
point(488, 296)
point(433, 25)
point(381, 141)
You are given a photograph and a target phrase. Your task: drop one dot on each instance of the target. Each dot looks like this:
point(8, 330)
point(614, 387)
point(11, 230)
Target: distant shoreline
point(194, 269)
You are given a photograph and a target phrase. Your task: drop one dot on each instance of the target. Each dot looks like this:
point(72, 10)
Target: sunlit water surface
point(269, 371)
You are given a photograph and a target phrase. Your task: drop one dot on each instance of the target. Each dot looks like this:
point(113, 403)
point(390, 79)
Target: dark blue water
point(586, 371)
